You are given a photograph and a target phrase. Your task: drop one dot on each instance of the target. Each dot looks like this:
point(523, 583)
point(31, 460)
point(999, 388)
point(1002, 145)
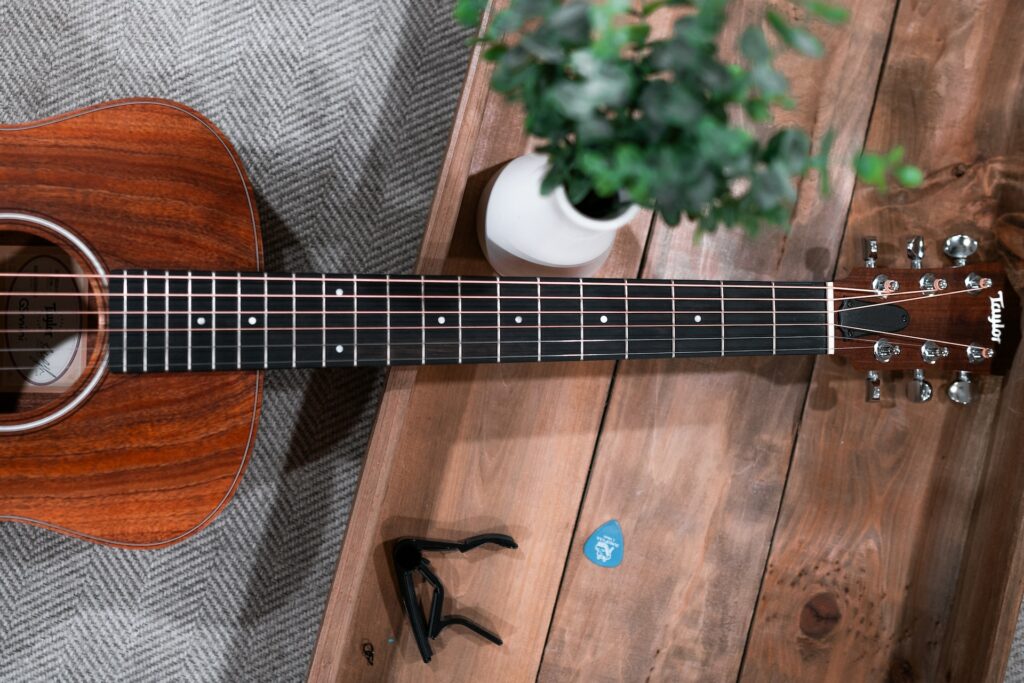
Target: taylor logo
point(995, 317)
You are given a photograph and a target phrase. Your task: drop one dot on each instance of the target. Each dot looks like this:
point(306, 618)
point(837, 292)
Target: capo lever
point(408, 557)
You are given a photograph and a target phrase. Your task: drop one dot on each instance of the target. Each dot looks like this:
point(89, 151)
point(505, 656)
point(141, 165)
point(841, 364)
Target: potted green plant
point(631, 121)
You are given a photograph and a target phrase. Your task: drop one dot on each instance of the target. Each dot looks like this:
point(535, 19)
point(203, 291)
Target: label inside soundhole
point(44, 344)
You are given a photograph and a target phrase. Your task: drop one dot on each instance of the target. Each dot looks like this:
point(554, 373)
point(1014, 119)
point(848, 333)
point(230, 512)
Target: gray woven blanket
point(341, 110)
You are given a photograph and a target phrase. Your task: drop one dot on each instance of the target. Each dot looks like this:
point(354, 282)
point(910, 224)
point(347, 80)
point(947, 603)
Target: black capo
point(408, 558)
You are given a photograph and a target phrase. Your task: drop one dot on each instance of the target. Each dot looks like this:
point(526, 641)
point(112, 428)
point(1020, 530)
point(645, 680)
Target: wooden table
point(776, 526)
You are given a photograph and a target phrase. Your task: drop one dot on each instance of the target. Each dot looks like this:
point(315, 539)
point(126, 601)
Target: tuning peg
point(960, 390)
point(874, 386)
point(915, 251)
point(870, 251)
point(960, 248)
point(919, 390)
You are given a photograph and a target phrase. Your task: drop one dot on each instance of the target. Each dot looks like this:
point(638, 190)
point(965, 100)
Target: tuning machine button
point(915, 251)
point(885, 350)
point(975, 283)
point(960, 390)
point(874, 386)
point(960, 248)
point(977, 354)
point(883, 286)
point(931, 284)
point(919, 390)
point(932, 352)
point(870, 251)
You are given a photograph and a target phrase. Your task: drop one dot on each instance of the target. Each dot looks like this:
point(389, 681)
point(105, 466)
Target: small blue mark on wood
point(604, 547)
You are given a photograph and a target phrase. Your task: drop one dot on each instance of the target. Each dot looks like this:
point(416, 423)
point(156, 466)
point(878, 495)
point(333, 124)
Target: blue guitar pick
point(604, 547)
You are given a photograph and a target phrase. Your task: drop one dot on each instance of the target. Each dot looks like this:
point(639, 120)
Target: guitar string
point(411, 279)
point(548, 357)
point(928, 293)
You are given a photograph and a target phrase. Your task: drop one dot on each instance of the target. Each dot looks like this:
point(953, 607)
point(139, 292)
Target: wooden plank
point(458, 451)
point(693, 455)
point(866, 562)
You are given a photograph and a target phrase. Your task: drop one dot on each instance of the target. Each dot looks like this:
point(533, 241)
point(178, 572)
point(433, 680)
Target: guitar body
point(139, 460)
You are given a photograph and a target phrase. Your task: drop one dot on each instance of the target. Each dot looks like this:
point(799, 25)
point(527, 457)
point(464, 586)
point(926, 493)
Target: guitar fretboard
point(194, 321)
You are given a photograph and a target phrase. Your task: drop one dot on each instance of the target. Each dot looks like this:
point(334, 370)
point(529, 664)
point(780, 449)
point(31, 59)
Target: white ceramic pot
point(523, 232)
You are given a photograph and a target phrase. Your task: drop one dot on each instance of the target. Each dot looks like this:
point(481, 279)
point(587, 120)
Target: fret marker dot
point(519, 319)
point(339, 291)
point(200, 321)
point(604, 318)
point(252, 320)
point(440, 320)
point(339, 348)
point(697, 318)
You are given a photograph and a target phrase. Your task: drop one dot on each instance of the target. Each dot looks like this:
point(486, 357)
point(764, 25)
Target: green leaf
point(909, 176)
point(871, 169)
point(469, 12)
point(894, 156)
point(795, 37)
point(830, 13)
point(754, 46)
point(820, 163)
point(789, 148)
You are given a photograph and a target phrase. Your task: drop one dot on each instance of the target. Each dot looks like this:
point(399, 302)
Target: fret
point(581, 319)
point(265, 320)
point(201, 321)
point(224, 330)
point(625, 300)
point(117, 305)
point(802, 318)
point(774, 324)
point(441, 332)
point(407, 319)
point(238, 322)
point(280, 322)
point(480, 320)
point(519, 320)
point(749, 327)
point(355, 325)
point(155, 333)
point(672, 293)
point(423, 320)
point(698, 318)
point(310, 346)
point(167, 321)
point(145, 321)
point(340, 332)
point(134, 323)
point(604, 319)
point(252, 337)
point(539, 336)
point(323, 331)
point(371, 321)
point(189, 321)
point(650, 319)
point(721, 301)
point(497, 286)
point(177, 324)
point(295, 324)
point(387, 294)
point(458, 280)
point(213, 325)
point(560, 322)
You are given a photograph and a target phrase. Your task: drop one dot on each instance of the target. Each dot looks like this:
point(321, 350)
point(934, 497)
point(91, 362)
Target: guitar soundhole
point(52, 312)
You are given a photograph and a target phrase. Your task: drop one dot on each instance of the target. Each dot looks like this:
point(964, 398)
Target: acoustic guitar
point(138, 321)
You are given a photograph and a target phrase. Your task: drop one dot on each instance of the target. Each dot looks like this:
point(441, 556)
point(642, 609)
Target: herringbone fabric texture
point(340, 109)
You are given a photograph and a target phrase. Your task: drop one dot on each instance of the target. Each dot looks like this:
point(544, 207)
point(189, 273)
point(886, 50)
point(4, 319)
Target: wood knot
point(959, 170)
point(900, 671)
point(819, 615)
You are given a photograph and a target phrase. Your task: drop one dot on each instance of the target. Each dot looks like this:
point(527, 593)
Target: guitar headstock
point(959, 320)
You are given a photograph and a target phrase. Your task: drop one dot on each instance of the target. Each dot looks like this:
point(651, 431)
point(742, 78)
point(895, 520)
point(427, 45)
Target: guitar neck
point(164, 321)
